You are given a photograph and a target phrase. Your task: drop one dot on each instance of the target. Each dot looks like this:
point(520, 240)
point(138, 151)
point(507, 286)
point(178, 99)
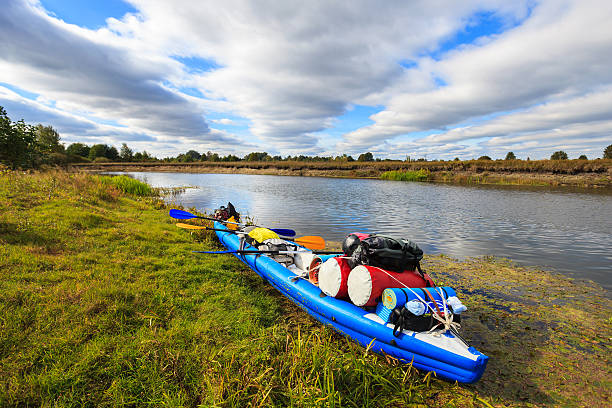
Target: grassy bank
point(104, 304)
point(582, 173)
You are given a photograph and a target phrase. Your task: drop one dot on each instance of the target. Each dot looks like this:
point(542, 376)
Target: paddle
point(184, 215)
point(265, 251)
point(310, 242)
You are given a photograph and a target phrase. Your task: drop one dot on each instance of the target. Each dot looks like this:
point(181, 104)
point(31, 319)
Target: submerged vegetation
point(103, 303)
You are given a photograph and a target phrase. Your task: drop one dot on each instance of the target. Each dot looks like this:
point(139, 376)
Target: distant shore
point(572, 173)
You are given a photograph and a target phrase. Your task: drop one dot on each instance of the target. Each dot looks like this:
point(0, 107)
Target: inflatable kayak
point(444, 353)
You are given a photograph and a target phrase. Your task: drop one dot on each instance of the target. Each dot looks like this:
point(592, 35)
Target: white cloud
point(560, 56)
point(288, 69)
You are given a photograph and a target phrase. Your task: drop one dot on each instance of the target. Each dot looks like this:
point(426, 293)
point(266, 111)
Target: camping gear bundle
point(376, 267)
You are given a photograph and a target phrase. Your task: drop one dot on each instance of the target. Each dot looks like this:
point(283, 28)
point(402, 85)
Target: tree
point(366, 157)
point(608, 152)
point(48, 140)
point(126, 153)
point(484, 158)
point(456, 159)
point(560, 155)
point(112, 154)
point(582, 157)
point(192, 155)
point(257, 156)
point(97, 150)
point(18, 147)
point(510, 156)
point(78, 149)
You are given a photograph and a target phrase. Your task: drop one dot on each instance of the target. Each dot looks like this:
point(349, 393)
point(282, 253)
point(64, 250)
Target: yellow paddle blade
point(189, 226)
point(232, 227)
point(311, 242)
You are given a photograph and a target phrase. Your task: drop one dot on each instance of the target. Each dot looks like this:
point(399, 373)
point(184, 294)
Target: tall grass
point(129, 185)
point(418, 175)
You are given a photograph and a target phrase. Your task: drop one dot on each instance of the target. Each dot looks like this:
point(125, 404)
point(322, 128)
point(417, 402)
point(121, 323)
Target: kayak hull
point(443, 353)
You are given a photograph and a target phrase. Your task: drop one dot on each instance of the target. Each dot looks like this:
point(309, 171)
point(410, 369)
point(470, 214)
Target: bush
point(101, 160)
point(484, 158)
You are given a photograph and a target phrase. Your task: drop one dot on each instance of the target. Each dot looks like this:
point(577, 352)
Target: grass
point(418, 175)
point(103, 304)
point(129, 185)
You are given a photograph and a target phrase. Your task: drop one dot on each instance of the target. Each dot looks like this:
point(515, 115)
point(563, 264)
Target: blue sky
point(320, 78)
point(90, 14)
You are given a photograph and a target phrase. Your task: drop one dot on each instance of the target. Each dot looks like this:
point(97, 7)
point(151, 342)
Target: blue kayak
point(444, 353)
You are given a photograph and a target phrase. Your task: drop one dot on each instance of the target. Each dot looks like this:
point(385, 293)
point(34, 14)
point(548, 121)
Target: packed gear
point(422, 309)
point(352, 241)
point(366, 283)
point(388, 253)
point(333, 277)
point(225, 213)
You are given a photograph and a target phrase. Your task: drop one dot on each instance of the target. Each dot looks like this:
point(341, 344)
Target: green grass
point(103, 304)
point(417, 175)
point(129, 185)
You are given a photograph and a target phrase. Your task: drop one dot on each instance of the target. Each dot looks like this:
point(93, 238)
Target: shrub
point(484, 158)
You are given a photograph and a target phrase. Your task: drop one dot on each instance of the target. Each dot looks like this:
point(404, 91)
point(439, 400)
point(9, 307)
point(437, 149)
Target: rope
point(444, 317)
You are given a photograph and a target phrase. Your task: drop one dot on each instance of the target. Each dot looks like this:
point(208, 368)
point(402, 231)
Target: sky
point(427, 79)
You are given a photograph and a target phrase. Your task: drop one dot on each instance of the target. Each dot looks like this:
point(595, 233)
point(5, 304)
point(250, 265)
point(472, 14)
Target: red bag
point(367, 283)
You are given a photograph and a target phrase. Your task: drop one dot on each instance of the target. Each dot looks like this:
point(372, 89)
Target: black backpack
point(387, 253)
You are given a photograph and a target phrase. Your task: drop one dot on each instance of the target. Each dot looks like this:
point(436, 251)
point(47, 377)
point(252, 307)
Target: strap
point(426, 292)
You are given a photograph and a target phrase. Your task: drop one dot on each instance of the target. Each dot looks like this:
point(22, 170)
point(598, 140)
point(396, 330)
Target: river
point(564, 230)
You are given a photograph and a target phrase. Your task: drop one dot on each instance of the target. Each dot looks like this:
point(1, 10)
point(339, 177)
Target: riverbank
point(104, 304)
point(574, 173)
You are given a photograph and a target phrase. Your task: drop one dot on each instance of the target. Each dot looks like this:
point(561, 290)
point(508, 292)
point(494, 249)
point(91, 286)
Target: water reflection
point(568, 231)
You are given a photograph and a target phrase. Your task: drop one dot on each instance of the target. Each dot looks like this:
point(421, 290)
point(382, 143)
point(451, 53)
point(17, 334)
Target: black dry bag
point(387, 253)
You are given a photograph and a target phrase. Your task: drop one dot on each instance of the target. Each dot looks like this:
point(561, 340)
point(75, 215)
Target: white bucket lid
point(330, 277)
point(360, 285)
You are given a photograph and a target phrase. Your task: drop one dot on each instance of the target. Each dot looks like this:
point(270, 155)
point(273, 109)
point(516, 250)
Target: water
point(570, 232)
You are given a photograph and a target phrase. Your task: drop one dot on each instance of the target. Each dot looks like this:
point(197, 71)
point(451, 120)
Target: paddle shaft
point(184, 215)
point(268, 251)
point(200, 227)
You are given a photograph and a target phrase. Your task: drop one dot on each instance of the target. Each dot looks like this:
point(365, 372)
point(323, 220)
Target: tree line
point(26, 146)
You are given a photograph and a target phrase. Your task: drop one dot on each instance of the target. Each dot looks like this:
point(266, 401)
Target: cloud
point(549, 59)
point(223, 121)
point(93, 73)
point(290, 69)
